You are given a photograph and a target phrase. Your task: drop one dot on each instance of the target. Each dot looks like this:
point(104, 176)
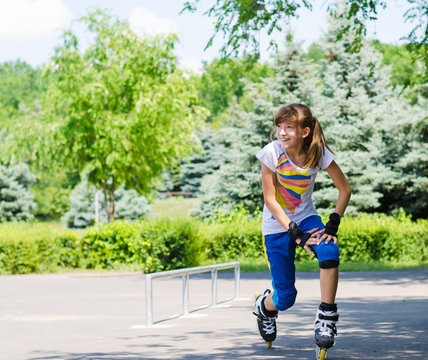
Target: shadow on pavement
point(368, 329)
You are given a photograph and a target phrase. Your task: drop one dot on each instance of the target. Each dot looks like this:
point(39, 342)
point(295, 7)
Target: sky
point(30, 29)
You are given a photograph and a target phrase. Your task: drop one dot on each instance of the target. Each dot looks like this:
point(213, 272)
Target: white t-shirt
point(294, 185)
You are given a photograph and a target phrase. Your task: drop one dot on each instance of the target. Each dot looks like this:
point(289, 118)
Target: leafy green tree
point(21, 87)
point(406, 71)
point(52, 201)
point(121, 109)
point(16, 198)
point(240, 21)
point(223, 81)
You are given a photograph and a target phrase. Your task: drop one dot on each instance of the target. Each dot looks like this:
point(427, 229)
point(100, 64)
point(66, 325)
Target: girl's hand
point(320, 235)
point(311, 241)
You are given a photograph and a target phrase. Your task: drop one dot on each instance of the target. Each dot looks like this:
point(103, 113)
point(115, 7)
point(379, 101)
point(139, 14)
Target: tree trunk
point(109, 199)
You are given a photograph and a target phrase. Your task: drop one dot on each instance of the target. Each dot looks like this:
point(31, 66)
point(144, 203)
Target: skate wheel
point(321, 354)
point(256, 294)
point(269, 344)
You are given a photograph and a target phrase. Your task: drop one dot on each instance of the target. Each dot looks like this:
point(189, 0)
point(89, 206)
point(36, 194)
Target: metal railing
point(185, 273)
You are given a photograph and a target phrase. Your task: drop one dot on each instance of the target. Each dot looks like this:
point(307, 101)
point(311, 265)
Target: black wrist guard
point(333, 225)
point(294, 232)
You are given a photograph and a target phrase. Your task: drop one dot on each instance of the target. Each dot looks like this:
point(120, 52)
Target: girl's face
point(289, 136)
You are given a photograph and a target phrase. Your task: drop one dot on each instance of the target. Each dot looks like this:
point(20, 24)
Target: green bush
point(154, 245)
point(165, 244)
point(231, 240)
point(379, 237)
point(107, 245)
point(70, 254)
point(28, 248)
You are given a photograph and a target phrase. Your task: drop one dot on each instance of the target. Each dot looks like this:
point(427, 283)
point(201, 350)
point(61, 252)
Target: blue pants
point(280, 253)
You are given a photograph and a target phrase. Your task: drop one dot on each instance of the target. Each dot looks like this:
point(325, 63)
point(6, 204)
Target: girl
point(289, 167)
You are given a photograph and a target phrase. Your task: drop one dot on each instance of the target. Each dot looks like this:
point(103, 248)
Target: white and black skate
point(266, 324)
point(325, 331)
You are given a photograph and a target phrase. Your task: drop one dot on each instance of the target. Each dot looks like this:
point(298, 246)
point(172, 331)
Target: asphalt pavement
point(82, 316)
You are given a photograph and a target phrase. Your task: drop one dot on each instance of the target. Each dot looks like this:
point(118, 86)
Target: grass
point(260, 265)
point(174, 206)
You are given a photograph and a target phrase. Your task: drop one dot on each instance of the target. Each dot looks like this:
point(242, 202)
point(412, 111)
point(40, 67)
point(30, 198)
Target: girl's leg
point(279, 251)
point(270, 306)
point(329, 279)
point(327, 315)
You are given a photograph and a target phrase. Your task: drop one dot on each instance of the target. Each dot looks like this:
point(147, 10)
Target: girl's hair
point(301, 116)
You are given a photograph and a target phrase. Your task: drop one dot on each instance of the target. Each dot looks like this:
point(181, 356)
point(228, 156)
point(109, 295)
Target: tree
point(406, 72)
point(203, 162)
point(240, 21)
point(16, 199)
point(364, 117)
point(378, 138)
point(21, 87)
point(129, 205)
point(121, 109)
point(237, 180)
point(223, 81)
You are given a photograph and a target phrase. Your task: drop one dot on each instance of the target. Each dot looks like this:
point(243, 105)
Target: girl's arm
point(339, 180)
point(269, 194)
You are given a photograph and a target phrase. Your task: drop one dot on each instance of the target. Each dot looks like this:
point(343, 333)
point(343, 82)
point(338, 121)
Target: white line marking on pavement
point(193, 316)
point(155, 326)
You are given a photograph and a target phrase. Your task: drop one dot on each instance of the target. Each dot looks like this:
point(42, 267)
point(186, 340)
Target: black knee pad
point(329, 264)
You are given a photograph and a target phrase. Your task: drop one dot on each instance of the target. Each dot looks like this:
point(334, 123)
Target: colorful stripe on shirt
point(291, 184)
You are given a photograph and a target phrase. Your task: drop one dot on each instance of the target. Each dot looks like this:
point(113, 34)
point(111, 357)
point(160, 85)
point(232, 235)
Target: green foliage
point(173, 244)
point(224, 81)
point(154, 245)
point(406, 71)
point(240, 21)
point(165, 244)
point(377, 237)
point(229, 241)
point(21, 87)
point(28, 248)
point(203, 162)
point(107, 245)
point(52, 202)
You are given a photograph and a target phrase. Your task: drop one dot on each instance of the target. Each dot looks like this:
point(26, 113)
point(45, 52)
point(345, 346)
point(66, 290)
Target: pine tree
point(202, 163)
point(378, 138)
point(366, 121)
point(16, 198)
point(238, 179)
